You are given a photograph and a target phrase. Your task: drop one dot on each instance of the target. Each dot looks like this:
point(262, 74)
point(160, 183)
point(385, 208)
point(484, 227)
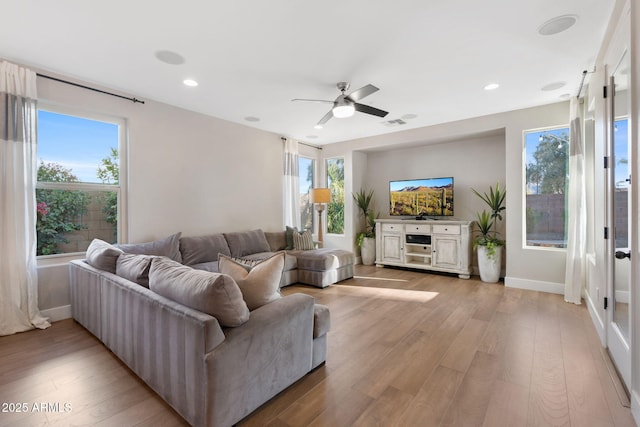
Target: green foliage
point(58, 211)
point(363, 201)
point(549, 172)
point(488, 220)
point(335, 208)
point(109, 173)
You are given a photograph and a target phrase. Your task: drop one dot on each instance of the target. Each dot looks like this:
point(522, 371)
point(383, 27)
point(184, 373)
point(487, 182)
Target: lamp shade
point(320, 195)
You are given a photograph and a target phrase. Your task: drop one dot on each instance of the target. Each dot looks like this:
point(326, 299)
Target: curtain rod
point(584, 75)
point(134, 100)
point(303, 143)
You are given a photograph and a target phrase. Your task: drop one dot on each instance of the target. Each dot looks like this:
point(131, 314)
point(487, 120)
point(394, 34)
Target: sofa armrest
point(260, 358)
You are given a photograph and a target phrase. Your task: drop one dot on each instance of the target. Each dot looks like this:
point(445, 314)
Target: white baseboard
point(635, 406)
point(57, 313)
point(534, 285)
point(598, 322)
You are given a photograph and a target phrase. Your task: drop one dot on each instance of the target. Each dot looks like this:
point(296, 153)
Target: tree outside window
point(78, 188)
point(335, 209)
point(547, 181)
point(306, 170)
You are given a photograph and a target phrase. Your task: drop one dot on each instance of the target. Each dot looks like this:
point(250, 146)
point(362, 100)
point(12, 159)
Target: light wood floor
point(405, 349)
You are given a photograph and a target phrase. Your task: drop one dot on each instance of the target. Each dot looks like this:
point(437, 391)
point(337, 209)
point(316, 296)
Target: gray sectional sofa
point(213, 369)
point(316, 267)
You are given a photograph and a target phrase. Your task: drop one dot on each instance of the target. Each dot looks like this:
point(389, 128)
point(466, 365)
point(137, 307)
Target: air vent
point(394, 123)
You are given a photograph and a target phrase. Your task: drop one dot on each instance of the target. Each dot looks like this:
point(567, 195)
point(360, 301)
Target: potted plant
point(366, 240)
point(488, 243)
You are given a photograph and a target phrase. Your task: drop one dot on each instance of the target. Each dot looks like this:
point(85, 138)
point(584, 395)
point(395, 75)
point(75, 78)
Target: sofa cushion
point(321, 320)
point(169, 247)
point(277, 240)
point(212, 293)
point(260, 284)
point(290, 262)
point(247, 242)
point(323, 259)
point(303, 241)
point(135, 268)
point(289, 236)
point(200, 249)
point(102, 255)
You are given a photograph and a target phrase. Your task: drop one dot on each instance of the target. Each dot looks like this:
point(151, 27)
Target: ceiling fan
point(345, 105)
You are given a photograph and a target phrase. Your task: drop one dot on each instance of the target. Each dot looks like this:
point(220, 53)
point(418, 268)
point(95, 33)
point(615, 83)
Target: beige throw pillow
point(212, 293)
point(302, 241)
point(259, 284)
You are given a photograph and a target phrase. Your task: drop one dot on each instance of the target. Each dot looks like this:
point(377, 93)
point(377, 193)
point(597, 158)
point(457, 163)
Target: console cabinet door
point(446, 252)
point(392, 247)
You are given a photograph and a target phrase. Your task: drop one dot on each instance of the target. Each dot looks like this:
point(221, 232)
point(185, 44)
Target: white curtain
point(577, 215)
point(291, 184)
point(18, 274)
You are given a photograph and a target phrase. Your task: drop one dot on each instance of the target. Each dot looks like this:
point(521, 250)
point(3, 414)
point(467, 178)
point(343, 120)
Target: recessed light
point(565, 96)
point(169, 57)
point(492, 86)
point(312, 136)
point(557, 25)
point(409, 116)
point(252, 119)
point(190, 82)
point(553, 86)
point(317, 127)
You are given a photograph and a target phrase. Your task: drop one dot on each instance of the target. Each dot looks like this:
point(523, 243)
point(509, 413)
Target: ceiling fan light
point(342, 111)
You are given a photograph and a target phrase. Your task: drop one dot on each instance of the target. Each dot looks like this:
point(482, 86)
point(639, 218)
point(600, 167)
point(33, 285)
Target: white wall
point(452, 143)
point(187, 172)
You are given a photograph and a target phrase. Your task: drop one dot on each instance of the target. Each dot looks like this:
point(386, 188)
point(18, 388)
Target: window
point(546, 184)
point(306, 168)
point(78, 193)
point(335, 209)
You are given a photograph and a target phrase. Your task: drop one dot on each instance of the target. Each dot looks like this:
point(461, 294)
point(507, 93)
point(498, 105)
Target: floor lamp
point(319, 197)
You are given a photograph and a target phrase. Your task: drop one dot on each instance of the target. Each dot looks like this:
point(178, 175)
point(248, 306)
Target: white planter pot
point(489, 266)
point(368, 251)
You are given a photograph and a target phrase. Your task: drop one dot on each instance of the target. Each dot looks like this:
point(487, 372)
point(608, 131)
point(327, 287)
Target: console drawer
point(391, 228)
point(417, 228)
point(446, 229)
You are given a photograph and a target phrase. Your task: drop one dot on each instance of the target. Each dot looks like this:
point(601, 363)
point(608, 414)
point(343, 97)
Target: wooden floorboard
point(406, 348)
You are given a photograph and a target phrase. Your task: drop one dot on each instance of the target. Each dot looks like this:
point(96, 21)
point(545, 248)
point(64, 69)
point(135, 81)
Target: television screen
point(421, 197)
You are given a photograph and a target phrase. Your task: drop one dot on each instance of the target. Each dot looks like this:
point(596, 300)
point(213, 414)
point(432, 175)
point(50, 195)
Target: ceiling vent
point(394, 123)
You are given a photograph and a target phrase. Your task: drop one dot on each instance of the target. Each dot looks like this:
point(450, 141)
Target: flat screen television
point(430, 197)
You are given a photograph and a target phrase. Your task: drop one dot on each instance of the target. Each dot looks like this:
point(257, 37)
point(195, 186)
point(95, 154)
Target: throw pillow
point(303, 241)
point(212, 293)
point(259, 284)
point(102, 255)
point(243, 243)
point(169, 247)
point(134, 268)
point(289, 236)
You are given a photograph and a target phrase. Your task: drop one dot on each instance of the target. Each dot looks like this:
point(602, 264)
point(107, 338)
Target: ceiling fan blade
point(357, 95)
point(312, 100)
point(370, 110)
point(326, 118)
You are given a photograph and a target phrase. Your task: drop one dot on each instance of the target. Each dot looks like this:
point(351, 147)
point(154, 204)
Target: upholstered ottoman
point(323, 267)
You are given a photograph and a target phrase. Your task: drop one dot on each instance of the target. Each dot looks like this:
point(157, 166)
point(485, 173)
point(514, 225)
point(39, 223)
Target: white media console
point(437, 245)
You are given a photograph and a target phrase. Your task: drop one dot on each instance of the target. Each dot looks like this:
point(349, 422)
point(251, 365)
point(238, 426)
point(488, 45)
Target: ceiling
point(430, 59)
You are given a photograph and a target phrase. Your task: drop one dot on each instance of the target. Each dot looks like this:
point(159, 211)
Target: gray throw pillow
point(169, 247)
point(289, 237)
point(102, 255)
point(212, 293)
point(247, 242)
point(134, 268)
point(260, 283)
point(199, 249)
